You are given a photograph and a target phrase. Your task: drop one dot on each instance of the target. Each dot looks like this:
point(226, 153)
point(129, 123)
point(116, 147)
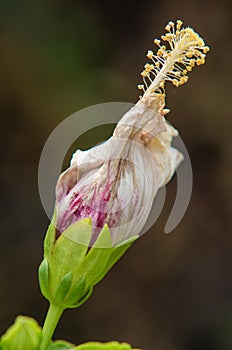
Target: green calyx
point(71, 268)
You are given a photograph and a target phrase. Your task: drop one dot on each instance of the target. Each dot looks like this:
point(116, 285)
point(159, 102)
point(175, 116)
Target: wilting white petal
point(116, 181)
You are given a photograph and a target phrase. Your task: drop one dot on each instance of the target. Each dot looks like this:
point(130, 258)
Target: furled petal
point(116, 181)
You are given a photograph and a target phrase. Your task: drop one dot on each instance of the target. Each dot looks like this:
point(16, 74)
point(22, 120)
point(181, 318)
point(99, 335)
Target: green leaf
point(103, 346)
point(24, 334)
point(44, 278)
point(60, 345)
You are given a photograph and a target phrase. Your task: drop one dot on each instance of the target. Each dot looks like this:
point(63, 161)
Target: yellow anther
point(206, 49)
point(175, 82)
point(140, 87)
point(200, 61)
point(148, 67)
point(157, 41)
point(189, 54)
point(178, 24)
point(160, 52)
point(196, 52)
point(192, 63)
point(150, 54)
point(144, 73)
point(185, 49)
point(183, 80)
point(193, 37)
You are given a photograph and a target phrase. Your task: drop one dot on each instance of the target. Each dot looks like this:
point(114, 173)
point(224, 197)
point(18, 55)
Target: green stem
point(51, 321)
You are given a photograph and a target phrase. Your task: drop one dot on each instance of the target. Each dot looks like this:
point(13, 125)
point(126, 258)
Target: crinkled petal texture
point(115, 182)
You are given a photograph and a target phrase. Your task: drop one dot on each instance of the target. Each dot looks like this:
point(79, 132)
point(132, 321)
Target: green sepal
point(60, 345)
point(114, 345)
point(24, 334)
point(63, 288)
point(50, 237)
point(44, 278)
point(93, 265)
point(71, 268)
point(68, 252)
point(100, 260)
point(104, 240)
point(77, 292)
point(119, 251)
point(83, 299)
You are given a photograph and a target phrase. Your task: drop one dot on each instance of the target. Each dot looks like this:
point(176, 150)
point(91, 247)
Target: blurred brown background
point(169, 292)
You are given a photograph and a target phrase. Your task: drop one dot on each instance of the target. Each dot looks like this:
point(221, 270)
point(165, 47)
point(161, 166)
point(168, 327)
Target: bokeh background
point(169, 292)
